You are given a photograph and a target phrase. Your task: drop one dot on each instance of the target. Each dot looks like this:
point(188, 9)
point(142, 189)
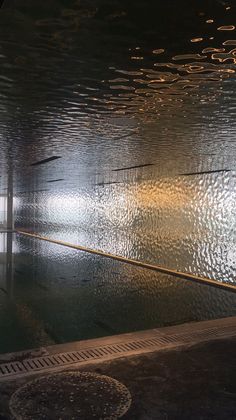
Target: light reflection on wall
point(185, 223)
point(3, 211)
point(73, 209)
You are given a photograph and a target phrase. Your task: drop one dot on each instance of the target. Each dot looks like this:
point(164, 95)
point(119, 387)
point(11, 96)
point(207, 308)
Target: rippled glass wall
point(118, 126)
point(185, 223)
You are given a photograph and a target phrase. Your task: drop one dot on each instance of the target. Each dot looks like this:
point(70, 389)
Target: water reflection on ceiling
point(103, 84)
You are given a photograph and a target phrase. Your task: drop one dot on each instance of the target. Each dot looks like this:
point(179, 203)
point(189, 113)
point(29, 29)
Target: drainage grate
point(157, 341)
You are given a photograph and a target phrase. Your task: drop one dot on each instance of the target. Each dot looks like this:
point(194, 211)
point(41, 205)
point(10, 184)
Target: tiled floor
point(195, 381)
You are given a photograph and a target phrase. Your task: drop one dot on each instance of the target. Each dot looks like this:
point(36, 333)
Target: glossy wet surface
point(191, 383)
point(86, 80)
point(82, 395)
point(118, 125)
point(52, 294)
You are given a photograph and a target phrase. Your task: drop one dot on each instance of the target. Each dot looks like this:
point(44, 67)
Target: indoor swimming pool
point(117, 209)
point(52, 294)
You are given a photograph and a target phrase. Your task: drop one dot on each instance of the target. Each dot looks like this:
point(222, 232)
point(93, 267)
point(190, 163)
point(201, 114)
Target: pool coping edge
point(80, 353)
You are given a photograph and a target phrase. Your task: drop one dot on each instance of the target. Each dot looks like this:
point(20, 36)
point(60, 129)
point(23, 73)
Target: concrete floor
point(196, 382)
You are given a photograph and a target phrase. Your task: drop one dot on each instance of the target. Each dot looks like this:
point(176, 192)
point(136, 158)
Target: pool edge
point(80, 353)
point(186, 276)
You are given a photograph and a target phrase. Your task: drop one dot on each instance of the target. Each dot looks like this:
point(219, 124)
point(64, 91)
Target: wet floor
point(193, 383)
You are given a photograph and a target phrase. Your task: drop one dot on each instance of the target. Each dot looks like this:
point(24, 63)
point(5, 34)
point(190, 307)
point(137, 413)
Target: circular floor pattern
point(71, 395)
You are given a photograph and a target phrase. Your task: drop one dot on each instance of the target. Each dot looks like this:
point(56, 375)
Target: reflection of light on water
point(3, 242)
point(226, 28)
point(196, 39)
point(3, 210)
point(155, 80)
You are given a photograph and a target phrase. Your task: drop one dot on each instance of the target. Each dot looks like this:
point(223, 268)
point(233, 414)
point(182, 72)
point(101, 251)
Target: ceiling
point(108, 85)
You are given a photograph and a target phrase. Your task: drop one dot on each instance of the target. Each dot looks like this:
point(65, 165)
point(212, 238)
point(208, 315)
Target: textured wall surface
point(185, 223)
point(103, 105)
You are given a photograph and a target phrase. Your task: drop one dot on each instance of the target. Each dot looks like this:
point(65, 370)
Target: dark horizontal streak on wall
point(31, 191)
point(124, 136)
point(132, 167)
point(41, 162)
point(206, 172)
point(56, 180)
point(101, 184)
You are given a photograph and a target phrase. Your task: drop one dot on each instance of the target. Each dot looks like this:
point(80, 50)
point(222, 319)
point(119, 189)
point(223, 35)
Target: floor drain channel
point(71, 395)
point(65, 359)
point(155, 340)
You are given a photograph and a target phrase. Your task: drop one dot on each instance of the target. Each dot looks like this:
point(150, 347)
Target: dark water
point(55, 295)
point(111, 84)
